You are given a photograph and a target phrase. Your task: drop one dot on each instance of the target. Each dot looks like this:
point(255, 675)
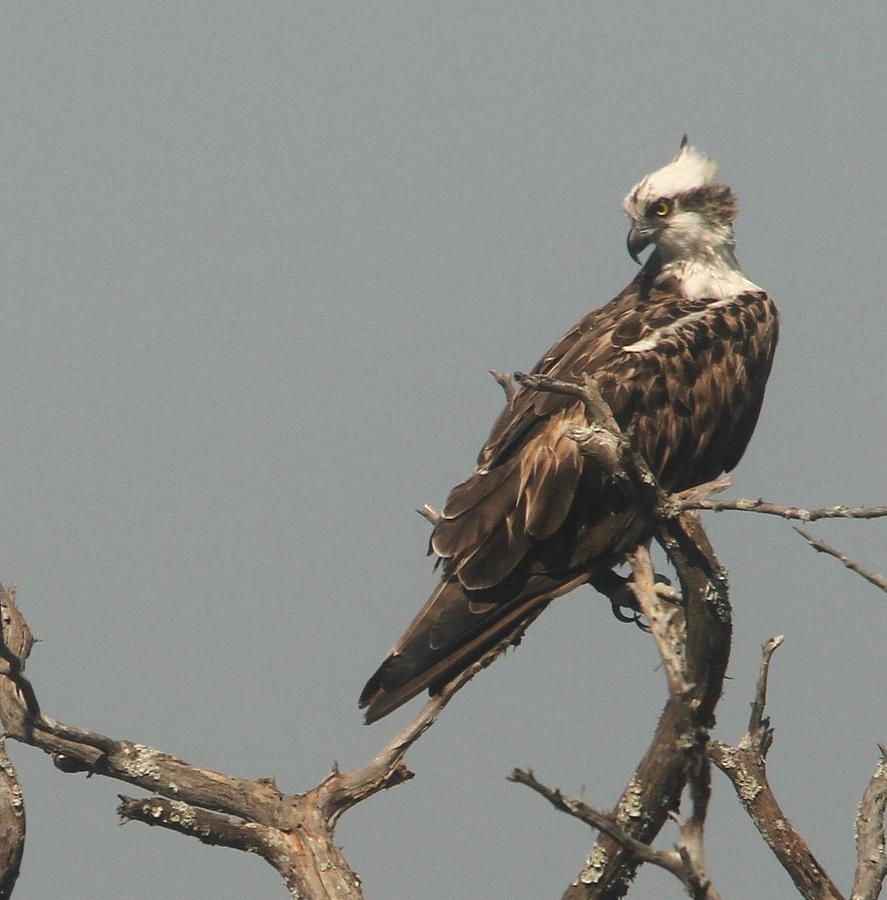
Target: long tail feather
point(453, 630)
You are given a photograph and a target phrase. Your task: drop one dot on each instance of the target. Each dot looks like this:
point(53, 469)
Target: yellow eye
point(662, 208)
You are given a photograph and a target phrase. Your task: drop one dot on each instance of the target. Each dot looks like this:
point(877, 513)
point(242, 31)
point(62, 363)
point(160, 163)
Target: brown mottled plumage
point(682, 356)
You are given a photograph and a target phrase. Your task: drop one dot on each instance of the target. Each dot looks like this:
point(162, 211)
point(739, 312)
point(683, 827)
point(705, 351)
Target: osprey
point(682, 357)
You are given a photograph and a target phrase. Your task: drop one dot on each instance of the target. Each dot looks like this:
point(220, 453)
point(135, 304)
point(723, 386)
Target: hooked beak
point(636, 241)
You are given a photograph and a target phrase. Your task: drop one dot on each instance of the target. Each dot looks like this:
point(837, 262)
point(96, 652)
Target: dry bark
point(295, 832)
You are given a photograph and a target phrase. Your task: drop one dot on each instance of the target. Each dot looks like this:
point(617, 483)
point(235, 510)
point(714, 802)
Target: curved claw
point(617, 589)
point(635, 616)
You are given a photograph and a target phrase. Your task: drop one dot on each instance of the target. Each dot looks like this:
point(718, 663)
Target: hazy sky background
point(257, 259)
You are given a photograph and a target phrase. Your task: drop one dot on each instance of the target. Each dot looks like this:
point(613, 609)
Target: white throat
point(699, 254)
point(716, 279)
point(708, 276)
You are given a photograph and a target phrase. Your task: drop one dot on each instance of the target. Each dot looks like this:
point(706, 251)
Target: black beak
point(636, 242)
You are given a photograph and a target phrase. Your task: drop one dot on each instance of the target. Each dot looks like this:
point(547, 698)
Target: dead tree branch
point(686, 862)
point(690, 845)
point(702, 641)
point(745, 766)
point(15, 644)
point(759, 704)
point(678, 861)
point(707, 623)
point(788, 512)
point(871, 855)
point(503, 379)
point(12, 824)
point(655, 790)
point(293, 832)
point(822, 547)
point(666, 621)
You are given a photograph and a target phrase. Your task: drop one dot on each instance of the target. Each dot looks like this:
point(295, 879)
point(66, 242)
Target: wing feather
point(687, 376)
point(491, 561)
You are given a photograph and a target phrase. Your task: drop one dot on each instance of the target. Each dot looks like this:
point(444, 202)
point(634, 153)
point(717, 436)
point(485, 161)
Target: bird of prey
point(682, 357)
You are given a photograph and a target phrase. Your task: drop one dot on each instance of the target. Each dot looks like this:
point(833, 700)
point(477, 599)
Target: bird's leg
point(619, 590)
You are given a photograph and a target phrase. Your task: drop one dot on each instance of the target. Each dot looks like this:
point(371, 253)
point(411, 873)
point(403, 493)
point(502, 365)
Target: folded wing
point(536, 518)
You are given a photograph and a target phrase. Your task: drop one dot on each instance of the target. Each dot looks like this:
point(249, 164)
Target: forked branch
point(745, 766)
point(293, 832)
point(680, 862)
point(694, 642)
point(768, 508)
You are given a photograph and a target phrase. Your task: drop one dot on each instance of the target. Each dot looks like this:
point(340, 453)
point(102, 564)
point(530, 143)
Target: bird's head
point(681, 209)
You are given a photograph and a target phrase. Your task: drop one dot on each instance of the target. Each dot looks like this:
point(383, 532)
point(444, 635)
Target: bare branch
point(745, 766)
point(505, 383)
point(208, 827)
point(281, 849)
point(294, 832)
point(673, 861)
point(703, 491)
point(756, 720)
point(342, 790)
point(596, 408)
point(788, 512)
point(877, 580)
point(602, 440)
point(12, 824)
point(690, 845)
point(659, 780)
point(15, 631)
point(590, 816)
point(871, 857)
point(599, 413)
point(428, 513)
point(666, 621)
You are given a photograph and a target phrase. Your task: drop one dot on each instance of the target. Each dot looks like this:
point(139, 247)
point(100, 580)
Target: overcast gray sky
point(257, 260)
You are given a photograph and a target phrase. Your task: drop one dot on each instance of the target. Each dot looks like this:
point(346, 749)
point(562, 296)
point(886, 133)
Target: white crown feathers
point(689, 169)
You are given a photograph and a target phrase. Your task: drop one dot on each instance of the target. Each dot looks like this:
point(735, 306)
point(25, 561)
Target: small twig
point(596, 408)
point(505, 383)
point(342, 790)
point(756, 720)
point(788, 512)
point(593, 817)
point(428, 513)
point(587, 814)
point(673, 861)
point(702, 491)
point(877, 580)
point(871, 857)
